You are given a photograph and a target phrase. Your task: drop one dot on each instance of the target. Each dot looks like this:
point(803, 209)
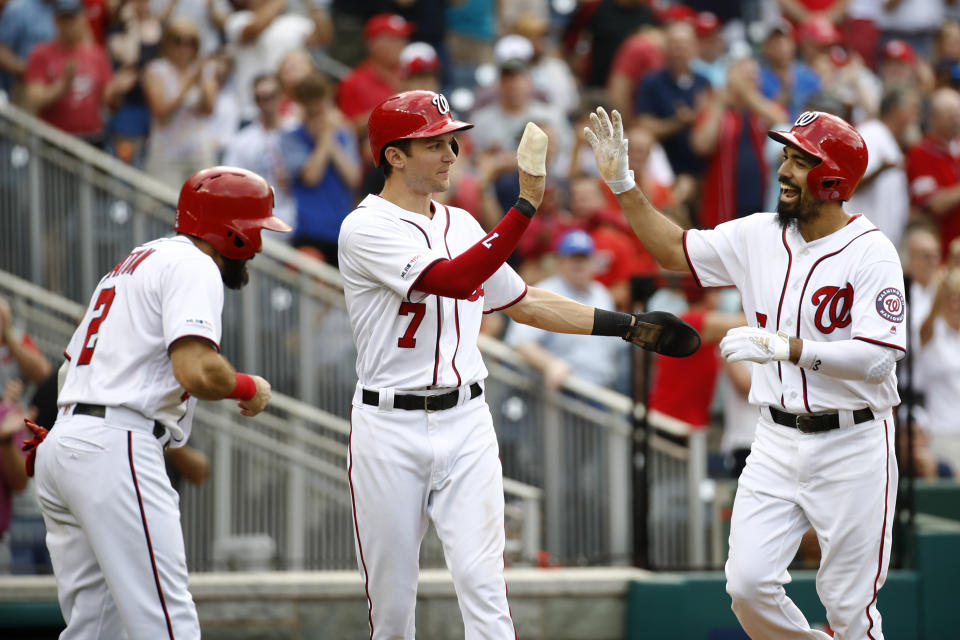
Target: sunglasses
point(185, 40)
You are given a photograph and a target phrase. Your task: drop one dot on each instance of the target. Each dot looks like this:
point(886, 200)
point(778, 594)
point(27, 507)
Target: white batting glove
point(755, 345)
point(610, 149)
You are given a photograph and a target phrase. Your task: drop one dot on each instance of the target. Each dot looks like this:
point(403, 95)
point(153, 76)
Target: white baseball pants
point(113, 531)
point(843, 483)
point(405, 467)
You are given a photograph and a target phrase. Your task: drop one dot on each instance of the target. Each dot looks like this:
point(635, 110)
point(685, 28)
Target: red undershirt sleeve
point(462, 275)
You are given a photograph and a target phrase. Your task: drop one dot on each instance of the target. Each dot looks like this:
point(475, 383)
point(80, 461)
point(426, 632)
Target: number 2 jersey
point(847, 285)
point(407, 339)
point(162, 291)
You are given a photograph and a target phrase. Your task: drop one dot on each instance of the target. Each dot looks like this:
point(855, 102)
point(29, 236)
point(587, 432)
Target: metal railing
point(70, 213)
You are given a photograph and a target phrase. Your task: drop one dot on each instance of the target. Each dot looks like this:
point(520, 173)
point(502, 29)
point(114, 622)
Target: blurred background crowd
point(284, 88)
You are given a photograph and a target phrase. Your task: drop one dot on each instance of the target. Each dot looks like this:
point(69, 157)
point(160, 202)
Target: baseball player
point(144, 353)
point(823, 294)
point(418, 277)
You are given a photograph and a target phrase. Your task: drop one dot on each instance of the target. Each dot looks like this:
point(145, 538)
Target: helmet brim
point(273, 223)
point(791, 140)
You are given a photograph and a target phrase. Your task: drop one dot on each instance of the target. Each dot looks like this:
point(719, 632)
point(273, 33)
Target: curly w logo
point(833, 307)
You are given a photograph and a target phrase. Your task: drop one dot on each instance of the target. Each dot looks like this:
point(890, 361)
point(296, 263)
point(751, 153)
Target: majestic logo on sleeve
point(890, 304)
point(833, 307)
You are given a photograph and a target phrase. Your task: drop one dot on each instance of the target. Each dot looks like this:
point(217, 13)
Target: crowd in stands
point(284, 88)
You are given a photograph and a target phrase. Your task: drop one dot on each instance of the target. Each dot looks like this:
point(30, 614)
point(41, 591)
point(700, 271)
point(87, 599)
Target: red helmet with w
point(839, 147)
point(411, 114)
point(227, 207)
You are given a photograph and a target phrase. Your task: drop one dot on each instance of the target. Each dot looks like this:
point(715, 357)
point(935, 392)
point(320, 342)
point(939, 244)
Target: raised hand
point(605, 135)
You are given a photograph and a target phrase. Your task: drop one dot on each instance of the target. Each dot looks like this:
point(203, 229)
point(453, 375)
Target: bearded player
point(146, 350)
point(418, 277)
point(823, 293)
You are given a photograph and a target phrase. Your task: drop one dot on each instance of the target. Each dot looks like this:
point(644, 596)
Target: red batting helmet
point(411, 114)
point(838, 146)
point(227, 207)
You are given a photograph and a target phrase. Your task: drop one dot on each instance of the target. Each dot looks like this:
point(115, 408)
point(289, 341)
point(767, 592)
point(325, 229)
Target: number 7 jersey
point(162, 291)
point(407, 339)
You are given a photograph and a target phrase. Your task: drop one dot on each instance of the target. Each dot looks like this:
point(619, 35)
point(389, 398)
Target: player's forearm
point(201, 370)
point(662, 237)
point(845, 359)
point(552, 312)
point(461, 276)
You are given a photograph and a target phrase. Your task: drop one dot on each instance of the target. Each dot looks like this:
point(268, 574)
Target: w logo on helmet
point(440, 102)
point(806, 118)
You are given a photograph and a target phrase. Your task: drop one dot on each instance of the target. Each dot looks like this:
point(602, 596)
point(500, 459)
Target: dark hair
point(893, 99)
point(312, 87)
point(260, 77)
point(403, 144)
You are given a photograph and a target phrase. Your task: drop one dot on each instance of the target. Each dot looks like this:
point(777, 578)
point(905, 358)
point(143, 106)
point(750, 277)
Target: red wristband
point(245, 388)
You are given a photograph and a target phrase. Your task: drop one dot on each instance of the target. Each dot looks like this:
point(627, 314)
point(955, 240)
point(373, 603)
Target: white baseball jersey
point(406, 339)
point(847, 285)
point(162, 291)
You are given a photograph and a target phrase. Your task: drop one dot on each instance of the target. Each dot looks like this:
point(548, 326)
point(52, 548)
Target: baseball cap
point(417, 58)
point(899, 50)
point(513, 52)
point(387, 24)
point(61, 7)
point(706, 23)
point(678, 13)
point(820, 32)
point(575, 243)
point(762, 31)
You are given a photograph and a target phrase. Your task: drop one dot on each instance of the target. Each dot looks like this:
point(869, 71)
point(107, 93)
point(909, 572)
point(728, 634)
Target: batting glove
point(610, 149)
point(30, 446)
point(755, 345)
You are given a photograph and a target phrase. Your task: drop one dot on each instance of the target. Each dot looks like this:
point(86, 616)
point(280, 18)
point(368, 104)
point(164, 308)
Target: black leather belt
point(808, 423)
point(437, 402)
point(100, 411)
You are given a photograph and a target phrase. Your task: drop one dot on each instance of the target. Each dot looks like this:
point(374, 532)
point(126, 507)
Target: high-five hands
point(755, 345)
point(605, 135)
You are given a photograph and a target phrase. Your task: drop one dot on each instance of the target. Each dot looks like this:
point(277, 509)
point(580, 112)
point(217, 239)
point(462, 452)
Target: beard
point(234, 273)
point(803, 209)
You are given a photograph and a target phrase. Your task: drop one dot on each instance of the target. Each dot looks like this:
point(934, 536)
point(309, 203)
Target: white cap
point(513, 51)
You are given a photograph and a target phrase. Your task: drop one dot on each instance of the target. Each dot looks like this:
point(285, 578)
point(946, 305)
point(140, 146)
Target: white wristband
point(781, 346)
point(622, 185)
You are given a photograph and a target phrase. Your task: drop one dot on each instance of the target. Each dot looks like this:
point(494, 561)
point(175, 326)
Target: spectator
point(915, 21)
point(378, 76)
point(946, 51)
point(181, 90)
point(801, 11)
point(739, 417)
point(883, 195)
point(900, 68)
point(69, 80)
point(933, 166)
point(917, 455)
point(817, 35)
point(471, 31)
point(261, 35)
point(257, 147)
point(782, 77)
point(210, 16)
point(19, 356)
point(556, 355)
point(683, 389)
point(13, 472)
point(324, 167)
point(731, 133)
point(638, 56)
point(612, 22)
point(550, 75)
point(712, 61)
point(294, 67)
point(500, 125)
point(419, 68)
point(668, 100)
point(860, 31)
point(938, 368)
point(133, 43)
point(921, 260)
point(24, 25)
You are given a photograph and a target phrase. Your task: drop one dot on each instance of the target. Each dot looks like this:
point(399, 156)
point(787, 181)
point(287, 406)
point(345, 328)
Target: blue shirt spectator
point(659, 95)
point(806, 84)
point(23, 25)
point(323, 206)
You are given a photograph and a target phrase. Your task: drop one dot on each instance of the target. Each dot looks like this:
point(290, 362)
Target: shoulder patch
point(890, 304)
